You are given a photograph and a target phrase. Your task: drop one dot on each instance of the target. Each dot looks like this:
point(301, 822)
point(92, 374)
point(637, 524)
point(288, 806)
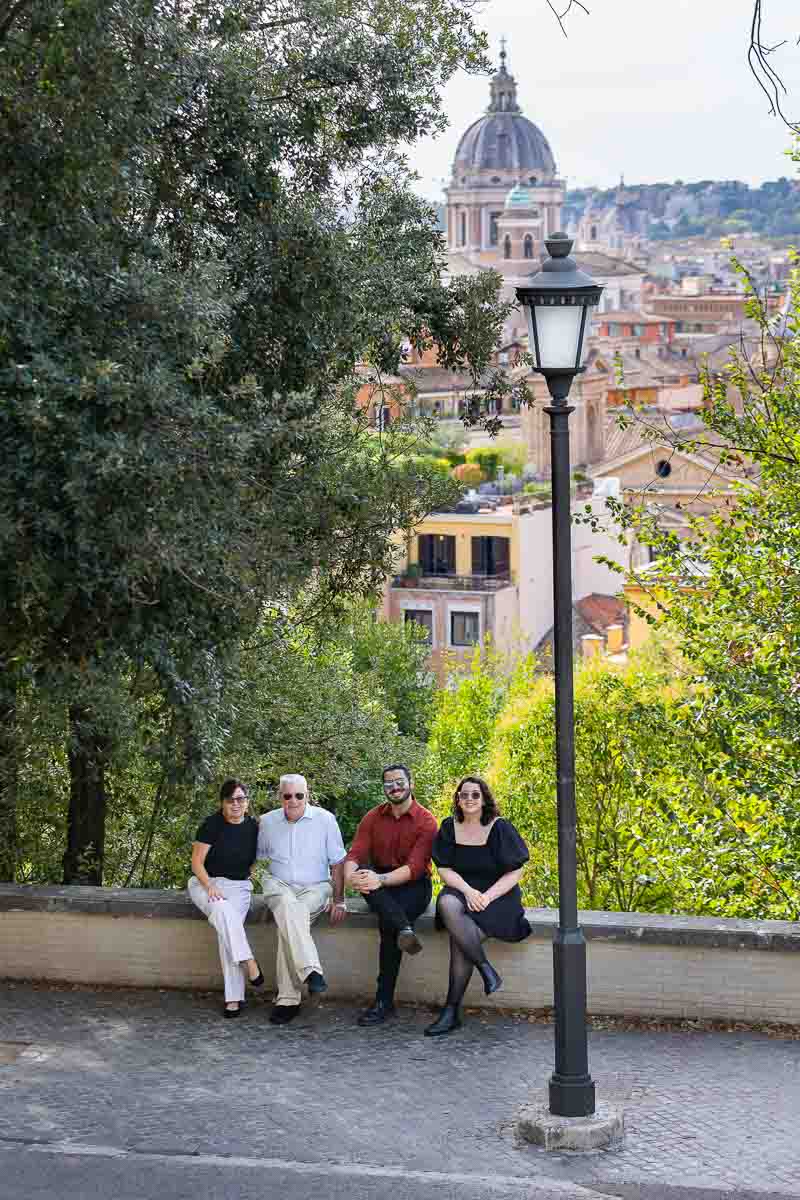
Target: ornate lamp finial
point(503, 53)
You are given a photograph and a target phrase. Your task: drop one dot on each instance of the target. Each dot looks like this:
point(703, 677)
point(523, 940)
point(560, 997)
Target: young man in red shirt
point(389, 863)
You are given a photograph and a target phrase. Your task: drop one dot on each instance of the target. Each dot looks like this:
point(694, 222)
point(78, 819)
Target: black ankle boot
point(491, 980)
point(448, 1020)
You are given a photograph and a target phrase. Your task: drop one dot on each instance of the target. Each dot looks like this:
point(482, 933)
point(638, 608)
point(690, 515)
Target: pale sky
point(657, 90)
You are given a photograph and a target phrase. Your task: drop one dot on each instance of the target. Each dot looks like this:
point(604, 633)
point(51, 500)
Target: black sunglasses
point(297, 795)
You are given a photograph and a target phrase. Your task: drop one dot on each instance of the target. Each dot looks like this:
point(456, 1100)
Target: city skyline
point(618, 96)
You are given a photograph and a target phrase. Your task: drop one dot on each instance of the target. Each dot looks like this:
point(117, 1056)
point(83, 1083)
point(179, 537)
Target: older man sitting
point(306, 876)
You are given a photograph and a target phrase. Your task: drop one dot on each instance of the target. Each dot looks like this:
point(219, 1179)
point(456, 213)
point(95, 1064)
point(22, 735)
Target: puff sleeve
point(443, 844)
point(510, 850)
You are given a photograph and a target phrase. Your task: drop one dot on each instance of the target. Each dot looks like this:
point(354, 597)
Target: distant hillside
point(711, 208)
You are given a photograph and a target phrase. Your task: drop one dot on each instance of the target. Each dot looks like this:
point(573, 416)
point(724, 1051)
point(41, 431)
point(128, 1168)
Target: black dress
point(482, 866)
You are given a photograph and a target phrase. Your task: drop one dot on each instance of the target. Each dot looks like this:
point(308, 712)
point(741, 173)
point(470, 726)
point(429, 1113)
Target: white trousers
point(227, 917)
point(295, 907)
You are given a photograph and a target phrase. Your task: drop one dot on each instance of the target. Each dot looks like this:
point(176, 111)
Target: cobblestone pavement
point(160, 1073)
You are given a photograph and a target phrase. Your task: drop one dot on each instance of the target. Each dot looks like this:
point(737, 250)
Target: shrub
point(470, 474)
point(487, 458)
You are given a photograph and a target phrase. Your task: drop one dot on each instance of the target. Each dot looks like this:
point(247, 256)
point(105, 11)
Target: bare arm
point(199, 854)
point(476, 901)
point(452, 879)
point(504, 884)
point(337, 880)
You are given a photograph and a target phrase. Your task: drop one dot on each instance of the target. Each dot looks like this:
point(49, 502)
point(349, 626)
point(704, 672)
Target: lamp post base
point(571, 1097)
point(606, 1127)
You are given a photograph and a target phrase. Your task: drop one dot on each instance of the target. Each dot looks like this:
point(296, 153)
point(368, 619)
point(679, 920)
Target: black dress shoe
point(282, 1014)
point(230, 1013)
point(448, 1020)
point(377, 1014)
point(316, 983)
point(259, 979)
point(491, 980)
point(407, 940)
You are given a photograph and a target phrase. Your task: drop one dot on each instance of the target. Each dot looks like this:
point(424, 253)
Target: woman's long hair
point(489, 810)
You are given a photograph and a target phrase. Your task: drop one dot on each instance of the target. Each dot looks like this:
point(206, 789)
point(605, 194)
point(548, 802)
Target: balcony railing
point(454, 583)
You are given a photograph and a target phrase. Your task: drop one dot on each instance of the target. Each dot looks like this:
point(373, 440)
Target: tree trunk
point(8, 775)
point(86, 823)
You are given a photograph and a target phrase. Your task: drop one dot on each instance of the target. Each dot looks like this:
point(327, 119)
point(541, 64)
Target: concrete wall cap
point(654, 928)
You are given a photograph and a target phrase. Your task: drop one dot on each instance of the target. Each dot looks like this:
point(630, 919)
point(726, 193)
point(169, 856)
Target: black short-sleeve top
point(504, 851)
point(233, 847)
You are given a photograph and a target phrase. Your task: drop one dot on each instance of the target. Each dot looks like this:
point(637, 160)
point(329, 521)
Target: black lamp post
point(557, 302)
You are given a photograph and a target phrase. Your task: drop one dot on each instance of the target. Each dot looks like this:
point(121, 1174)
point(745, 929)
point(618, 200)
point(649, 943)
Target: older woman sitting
point(223, 852)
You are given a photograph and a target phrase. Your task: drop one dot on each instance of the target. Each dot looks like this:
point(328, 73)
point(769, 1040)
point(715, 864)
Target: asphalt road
point(49, 1172)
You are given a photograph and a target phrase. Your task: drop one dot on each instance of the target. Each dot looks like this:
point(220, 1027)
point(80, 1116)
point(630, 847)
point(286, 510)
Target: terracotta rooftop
point(600, 611)
point(604, 264)
point(631, 317)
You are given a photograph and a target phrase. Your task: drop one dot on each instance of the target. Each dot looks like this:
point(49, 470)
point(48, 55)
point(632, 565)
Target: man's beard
point(399, 798)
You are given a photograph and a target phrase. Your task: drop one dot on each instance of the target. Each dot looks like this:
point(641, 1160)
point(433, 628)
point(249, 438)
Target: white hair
point(295, 781)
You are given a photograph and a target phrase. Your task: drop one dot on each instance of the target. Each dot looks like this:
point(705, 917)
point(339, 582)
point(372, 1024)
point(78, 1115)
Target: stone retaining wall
point(638, 964)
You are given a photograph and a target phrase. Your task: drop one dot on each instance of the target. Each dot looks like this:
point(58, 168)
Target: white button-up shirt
point(302, 851)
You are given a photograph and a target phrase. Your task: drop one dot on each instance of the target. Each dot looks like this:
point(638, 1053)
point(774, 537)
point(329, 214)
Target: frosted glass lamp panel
point(558, 327)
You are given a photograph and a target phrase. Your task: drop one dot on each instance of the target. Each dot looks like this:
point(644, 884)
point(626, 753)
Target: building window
point(491, 556)
point(462, 229)
point(663, 468)
point(437, 554)
point(528, 246)
point(532, 181)
point(506, 247)
point(423, 617)
point(493, 234)
point(465, 628)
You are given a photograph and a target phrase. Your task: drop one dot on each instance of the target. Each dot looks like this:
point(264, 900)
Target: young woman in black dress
point(480, 857)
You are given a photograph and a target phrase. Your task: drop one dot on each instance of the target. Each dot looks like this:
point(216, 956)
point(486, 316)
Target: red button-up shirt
point(387, 842)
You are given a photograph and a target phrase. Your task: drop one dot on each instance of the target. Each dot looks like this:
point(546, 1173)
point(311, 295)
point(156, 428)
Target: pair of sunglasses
point(297, 795)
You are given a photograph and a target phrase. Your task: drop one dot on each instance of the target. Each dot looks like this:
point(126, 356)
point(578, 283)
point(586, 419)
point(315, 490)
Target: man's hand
point(365, 881)
point(476, 901)
point(337, 913)
point(214, 893)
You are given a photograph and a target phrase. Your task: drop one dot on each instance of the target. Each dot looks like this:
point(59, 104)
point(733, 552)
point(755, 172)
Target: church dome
point(503, 139)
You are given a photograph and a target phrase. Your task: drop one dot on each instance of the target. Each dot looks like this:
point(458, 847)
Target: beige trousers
point(295, 907)
point(227, 917)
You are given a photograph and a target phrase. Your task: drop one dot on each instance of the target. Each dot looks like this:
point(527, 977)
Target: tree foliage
point(336, 705)
point(204, 230)
point(661, 828)
point(729, 595)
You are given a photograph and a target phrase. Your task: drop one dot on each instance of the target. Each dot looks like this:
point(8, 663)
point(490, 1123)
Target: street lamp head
point(557, 302)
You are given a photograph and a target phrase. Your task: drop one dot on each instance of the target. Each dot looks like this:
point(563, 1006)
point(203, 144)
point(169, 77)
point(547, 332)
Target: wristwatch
point(382, 879)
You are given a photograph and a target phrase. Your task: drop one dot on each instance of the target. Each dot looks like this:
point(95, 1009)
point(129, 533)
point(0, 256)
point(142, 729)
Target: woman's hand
point(214, 893)
point(476, 901)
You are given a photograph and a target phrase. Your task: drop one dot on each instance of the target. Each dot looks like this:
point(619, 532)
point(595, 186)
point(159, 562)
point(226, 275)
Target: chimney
point(591, 645)
point(614, 639)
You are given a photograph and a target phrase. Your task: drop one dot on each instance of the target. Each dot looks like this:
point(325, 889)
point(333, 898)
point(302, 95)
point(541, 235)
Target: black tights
point(466, 945)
